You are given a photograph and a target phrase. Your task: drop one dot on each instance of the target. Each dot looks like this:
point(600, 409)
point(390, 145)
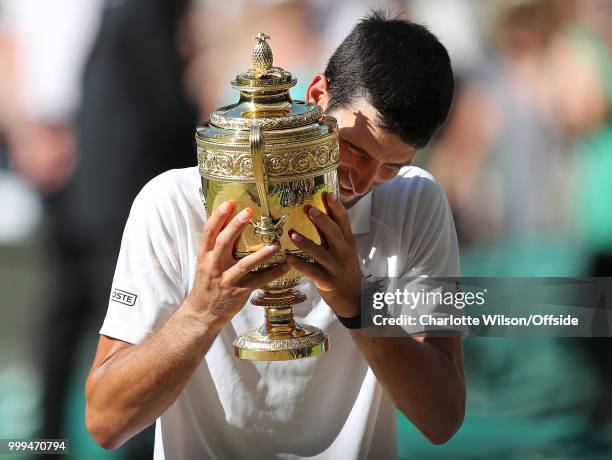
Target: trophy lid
point(264, 97)
point(295, 139)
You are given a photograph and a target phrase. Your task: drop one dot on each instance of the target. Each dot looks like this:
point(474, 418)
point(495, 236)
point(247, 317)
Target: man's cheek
point(345, 155)
point(343, 173)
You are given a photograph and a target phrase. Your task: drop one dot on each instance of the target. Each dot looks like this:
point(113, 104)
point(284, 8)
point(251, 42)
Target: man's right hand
point(223, 283)
point(131, 385)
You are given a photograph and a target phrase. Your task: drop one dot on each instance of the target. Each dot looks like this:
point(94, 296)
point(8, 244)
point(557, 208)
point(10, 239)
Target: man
point(168, 357)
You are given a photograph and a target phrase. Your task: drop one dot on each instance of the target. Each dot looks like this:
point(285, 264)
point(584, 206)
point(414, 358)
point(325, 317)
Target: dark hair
point(401, 69)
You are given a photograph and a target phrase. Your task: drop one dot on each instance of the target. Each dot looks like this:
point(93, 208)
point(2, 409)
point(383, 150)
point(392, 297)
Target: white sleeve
point(148, 285)
point(432, 241)
point(431, 257)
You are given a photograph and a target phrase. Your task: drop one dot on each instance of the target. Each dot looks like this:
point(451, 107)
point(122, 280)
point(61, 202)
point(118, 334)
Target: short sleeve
point(432, 250)
point(148, 283)
point(430, 270)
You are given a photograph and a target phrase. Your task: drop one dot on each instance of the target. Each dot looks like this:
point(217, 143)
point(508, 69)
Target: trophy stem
point(281, 337)
point(279, 320)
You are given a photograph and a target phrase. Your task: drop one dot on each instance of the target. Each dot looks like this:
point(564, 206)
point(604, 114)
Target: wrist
point(202, 318)
point(349, 311)
point(347, 306)
point(361, 313)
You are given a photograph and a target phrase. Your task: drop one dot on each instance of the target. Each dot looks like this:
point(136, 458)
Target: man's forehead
point(359, 124)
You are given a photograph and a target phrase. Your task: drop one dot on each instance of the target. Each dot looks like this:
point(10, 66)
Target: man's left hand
point(336, 270)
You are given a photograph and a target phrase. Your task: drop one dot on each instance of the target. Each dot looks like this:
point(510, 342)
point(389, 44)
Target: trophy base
point(303, 341)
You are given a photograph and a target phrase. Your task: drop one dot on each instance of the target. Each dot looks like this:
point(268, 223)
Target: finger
point(215, 223)
point(259, 279)
point(320, 254)
point(227, 237)
point(338, 212)
point(319, 232)
point(248, 263)
point(312, 271)
point(326, 226)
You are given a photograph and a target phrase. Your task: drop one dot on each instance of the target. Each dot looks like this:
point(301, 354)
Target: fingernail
point(314, 212)
point(331, 198)
point(274, 246)
point(224, 208)
point(296, 237)
point(244, 215)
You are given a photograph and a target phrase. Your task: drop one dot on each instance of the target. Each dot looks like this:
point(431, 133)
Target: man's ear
point(318, 91)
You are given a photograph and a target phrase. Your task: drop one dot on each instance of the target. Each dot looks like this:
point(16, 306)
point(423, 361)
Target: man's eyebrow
point(357, 147)
point(362, 150)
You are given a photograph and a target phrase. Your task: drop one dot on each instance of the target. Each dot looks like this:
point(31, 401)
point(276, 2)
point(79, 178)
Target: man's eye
point(354, 149)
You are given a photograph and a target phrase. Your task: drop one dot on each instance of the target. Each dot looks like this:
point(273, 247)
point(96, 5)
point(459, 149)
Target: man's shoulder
point(172, 186)
point(411, 203)
point(415, 172)
point(174, 180)
point(172, 192)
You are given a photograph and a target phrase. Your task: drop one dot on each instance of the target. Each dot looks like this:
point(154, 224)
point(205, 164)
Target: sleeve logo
point(124, 297)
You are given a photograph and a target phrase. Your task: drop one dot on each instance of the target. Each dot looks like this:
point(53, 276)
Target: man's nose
point(362, 178)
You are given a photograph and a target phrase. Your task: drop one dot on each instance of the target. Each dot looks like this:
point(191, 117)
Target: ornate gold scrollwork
point(235, 165)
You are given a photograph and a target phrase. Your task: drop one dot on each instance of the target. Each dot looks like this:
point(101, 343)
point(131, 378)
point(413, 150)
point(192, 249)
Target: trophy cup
point(272, 154)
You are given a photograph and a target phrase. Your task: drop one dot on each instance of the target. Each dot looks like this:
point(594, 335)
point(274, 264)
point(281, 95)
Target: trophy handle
point(259, 170)
point(268, 228)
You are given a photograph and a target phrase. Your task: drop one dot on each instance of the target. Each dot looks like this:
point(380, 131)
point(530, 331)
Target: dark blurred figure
point(135, 122)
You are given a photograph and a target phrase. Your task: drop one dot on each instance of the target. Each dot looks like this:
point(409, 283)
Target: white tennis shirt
point(326, 407)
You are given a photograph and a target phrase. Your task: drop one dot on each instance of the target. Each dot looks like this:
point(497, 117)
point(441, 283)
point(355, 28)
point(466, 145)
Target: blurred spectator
point(456, 24)
point(505, 158)
point(52, 41)
point(508, 162)
point(19, 205)
point(132, 123)
point(592, 35)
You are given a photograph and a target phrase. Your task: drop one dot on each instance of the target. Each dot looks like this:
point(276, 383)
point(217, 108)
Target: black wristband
point(351, 323)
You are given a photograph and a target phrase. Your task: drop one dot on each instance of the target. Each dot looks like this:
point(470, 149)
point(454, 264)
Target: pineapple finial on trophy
point(262, 55)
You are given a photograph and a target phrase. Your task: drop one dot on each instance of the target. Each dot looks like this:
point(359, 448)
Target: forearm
point(129, 386)
point(423, 381)
point(127, 393)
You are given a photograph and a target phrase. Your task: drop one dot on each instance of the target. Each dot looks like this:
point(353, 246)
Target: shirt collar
point(359, 215)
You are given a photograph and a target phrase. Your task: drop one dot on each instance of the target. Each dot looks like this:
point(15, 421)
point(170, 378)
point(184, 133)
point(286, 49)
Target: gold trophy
point(274, 155)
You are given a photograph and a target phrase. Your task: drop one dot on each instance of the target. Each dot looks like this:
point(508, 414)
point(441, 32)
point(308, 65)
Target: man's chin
point(346, 196)
point(346, 193)
point(350, 200)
